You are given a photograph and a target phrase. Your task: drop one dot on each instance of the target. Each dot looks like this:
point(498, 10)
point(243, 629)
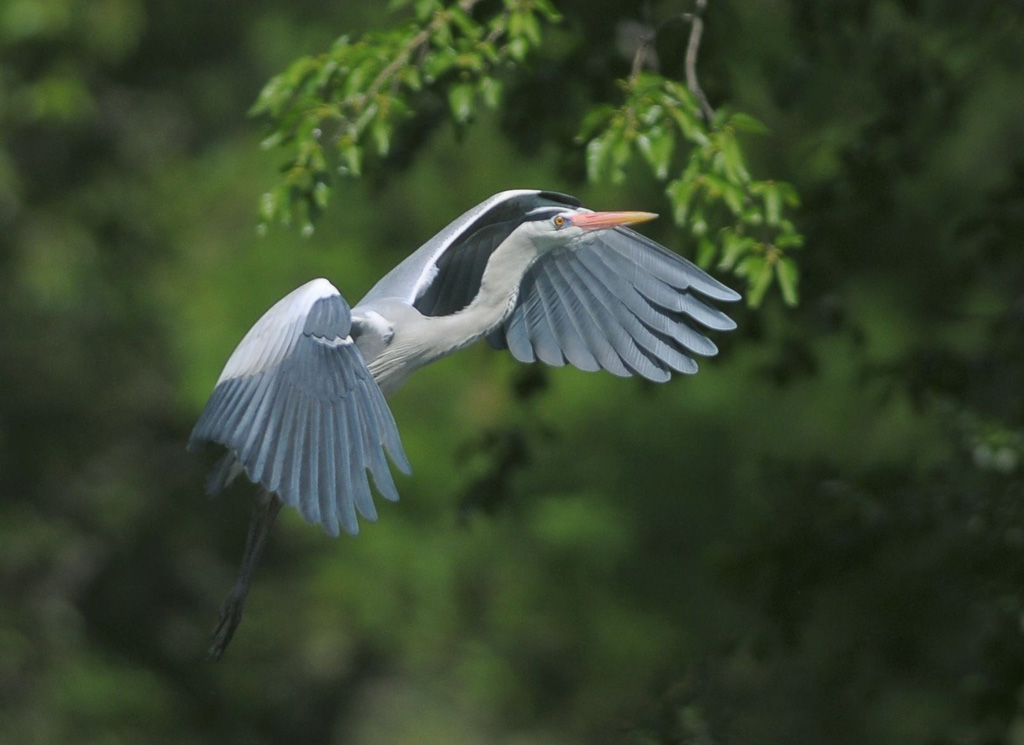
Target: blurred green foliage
point(818, 539)
point(328, 109)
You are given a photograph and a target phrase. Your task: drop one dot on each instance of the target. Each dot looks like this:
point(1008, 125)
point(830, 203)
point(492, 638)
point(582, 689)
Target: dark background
point(818, 539)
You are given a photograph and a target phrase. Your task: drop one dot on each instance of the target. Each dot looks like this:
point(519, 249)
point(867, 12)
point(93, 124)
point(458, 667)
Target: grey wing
point(413, 276)
point(615, 301)
point(300, 413)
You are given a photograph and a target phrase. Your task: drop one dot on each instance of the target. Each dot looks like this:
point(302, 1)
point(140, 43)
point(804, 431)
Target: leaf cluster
point(330, 110)
point(738, 222)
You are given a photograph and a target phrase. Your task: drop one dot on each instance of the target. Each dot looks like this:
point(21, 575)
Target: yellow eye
point(559, 221)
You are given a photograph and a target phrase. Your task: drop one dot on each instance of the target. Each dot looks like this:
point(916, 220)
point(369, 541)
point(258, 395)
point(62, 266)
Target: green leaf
point(321, 193)
point(442, 36)
point(786, 226)
point(488, 51)
point(460, 99)
point(758, 271)
point(656, 145)
point(517, 48)
point(772, 204)
point(359, 78)
point(788, 275)
point(285, 197)
point(369, 113)
point(437, 64)
point(425, 9)
point(312, 154)
point(465, 24)
point(746, 123)
point(789, 240)
point(679, 94)
point(531, 29)
point(752, 215)
point(593, 120)
point(472, 62)
point(734, 247)
point(621, 153)
point(689, 125)
point(706, 252)
point(789, 193)
point(270, 96)
point(268, 205)
point(381, 133)
point(517, 22)
point(650, 115)
point(750, 265)
point(732, 194)
point(734, 197)
point(299, 70)
point(715, 185)
point(352, 160)
point(597, 156)
point(680, 192)
point(272, 140)
point(548, 10)
point(698, 225)
point(732, 157)
point(490, 91)
point(649, 85)
point(325, 75)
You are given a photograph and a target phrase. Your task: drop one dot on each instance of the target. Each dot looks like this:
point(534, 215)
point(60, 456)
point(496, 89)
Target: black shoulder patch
point(557, 196)
point(460, 268)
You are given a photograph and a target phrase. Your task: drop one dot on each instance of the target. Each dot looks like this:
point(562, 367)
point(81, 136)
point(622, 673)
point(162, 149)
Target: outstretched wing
point(302, 415)
point(618, 301)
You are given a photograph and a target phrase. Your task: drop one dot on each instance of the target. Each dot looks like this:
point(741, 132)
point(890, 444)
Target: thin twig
point(645, 40)
point(644, 43)
point(499, 28)
point(384, 75)
point(696, 30)
point(414, 43)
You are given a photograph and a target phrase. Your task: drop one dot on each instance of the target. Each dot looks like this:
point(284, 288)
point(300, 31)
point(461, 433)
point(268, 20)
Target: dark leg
point(263, 513)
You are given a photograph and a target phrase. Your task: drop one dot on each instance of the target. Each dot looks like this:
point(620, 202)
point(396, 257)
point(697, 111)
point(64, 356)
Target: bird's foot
point(227, 622)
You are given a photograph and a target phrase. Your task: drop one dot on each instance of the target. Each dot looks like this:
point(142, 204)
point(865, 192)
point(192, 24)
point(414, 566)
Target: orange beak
point(601, 220)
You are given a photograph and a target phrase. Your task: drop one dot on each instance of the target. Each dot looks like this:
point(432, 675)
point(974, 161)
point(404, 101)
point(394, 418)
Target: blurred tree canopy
point(818, 539)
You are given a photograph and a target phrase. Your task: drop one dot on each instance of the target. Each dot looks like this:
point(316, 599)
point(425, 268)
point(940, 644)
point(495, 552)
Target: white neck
point(419, 340)
point(499, 289)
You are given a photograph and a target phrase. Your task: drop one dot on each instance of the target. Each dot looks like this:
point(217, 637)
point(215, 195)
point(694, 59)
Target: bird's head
point(551, 227)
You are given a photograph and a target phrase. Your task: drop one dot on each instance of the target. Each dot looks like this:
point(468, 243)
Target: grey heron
point(300, 406)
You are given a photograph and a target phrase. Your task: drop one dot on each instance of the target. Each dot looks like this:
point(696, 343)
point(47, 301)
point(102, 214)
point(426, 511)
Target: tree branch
point(644, 43)
point(646, 36)
point(696, 31)
point(414, 43)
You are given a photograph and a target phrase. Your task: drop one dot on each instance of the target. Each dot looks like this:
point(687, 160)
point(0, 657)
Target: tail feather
point(226, 470)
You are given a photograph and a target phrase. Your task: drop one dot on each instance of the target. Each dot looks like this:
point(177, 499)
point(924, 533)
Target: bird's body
point(300, 404)
point(419, 339)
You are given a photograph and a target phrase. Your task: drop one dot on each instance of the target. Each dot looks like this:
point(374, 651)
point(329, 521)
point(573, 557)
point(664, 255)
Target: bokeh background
point(818, 539)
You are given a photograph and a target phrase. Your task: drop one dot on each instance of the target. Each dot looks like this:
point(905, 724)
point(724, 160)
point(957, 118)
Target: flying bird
point(300, 406)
